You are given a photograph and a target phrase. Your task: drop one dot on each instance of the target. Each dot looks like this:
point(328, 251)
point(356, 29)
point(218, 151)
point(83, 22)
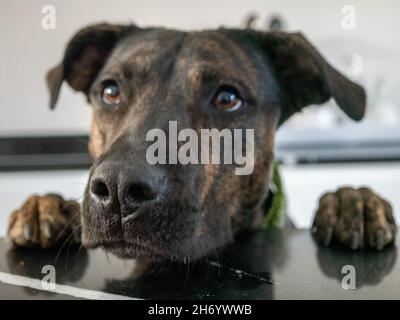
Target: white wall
point(27, 51)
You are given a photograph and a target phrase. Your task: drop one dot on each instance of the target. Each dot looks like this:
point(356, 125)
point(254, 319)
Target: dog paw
point(44, 221)
point(357, 218)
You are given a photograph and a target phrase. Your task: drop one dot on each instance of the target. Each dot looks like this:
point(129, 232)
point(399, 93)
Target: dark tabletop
point(259, 265)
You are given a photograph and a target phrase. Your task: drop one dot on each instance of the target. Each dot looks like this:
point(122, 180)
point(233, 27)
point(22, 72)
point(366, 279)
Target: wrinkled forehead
point(145, 50)
point(214, 52)
point(193, 53)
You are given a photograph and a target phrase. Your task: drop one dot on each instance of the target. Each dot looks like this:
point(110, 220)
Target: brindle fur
point(356, 217)
point(172, 75)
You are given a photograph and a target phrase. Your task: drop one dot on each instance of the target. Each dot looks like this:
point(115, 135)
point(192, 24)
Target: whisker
point(62, 246)
point(67, 225)
point(187, 273)
point(81, 247)
point(67, 239)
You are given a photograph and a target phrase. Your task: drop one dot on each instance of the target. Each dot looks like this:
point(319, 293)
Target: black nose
point(121, 189)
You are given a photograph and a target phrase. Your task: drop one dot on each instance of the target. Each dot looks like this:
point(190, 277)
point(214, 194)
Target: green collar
point(275, 211)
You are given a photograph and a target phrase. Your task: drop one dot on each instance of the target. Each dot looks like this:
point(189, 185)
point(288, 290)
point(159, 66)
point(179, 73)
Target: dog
point(137, 79)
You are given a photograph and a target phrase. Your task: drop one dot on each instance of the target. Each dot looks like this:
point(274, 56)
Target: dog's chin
point(134, 251)
point(173, 232)
point(191, 250)
point(127, 250)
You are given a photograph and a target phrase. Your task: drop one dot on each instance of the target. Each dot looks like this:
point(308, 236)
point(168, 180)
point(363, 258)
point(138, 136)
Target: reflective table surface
point(260, 265)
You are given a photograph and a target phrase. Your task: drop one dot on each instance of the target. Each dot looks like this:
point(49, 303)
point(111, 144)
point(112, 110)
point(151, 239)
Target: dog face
point(140, 79)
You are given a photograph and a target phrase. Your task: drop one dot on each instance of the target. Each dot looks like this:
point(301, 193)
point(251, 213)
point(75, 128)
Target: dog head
point(140, 79)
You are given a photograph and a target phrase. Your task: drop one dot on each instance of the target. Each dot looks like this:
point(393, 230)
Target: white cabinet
point(15, 187)
point(305, 184)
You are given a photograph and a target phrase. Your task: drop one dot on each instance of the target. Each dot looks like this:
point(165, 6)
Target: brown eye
point(227, 98)
point(110, 94)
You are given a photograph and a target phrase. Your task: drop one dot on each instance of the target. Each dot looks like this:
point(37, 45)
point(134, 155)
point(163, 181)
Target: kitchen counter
point(259, 265)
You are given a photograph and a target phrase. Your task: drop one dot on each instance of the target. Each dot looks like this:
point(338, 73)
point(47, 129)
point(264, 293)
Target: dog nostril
point(140, 192)
point(99, 188)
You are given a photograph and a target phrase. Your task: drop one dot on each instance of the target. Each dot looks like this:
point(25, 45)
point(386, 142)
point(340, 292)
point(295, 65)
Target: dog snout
point(117, 188)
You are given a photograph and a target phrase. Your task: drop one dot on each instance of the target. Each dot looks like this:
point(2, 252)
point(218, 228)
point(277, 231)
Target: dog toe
point(43, 222)
point(356, 218)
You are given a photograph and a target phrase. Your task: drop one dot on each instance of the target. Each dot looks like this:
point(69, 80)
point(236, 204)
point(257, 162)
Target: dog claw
point(314, 229)
point(355, 240)
point(328, 236)
point(47, 229)
point(28, 232)
point(380, 240)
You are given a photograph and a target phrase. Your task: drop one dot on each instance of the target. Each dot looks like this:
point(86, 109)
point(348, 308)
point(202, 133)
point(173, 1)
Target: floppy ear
point(84, 57)
point(305, 77)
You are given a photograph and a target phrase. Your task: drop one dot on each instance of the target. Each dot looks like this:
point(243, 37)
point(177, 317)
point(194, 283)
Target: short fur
point(172, 75)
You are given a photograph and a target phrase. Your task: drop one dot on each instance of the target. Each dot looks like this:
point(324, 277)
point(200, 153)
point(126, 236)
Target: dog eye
point(110, 94)
point(227, 98)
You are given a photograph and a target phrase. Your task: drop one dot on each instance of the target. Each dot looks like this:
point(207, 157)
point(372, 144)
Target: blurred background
point(42, 151)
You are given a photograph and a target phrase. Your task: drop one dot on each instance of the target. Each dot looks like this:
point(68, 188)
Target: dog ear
point(84, 57)
point(305, 77)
